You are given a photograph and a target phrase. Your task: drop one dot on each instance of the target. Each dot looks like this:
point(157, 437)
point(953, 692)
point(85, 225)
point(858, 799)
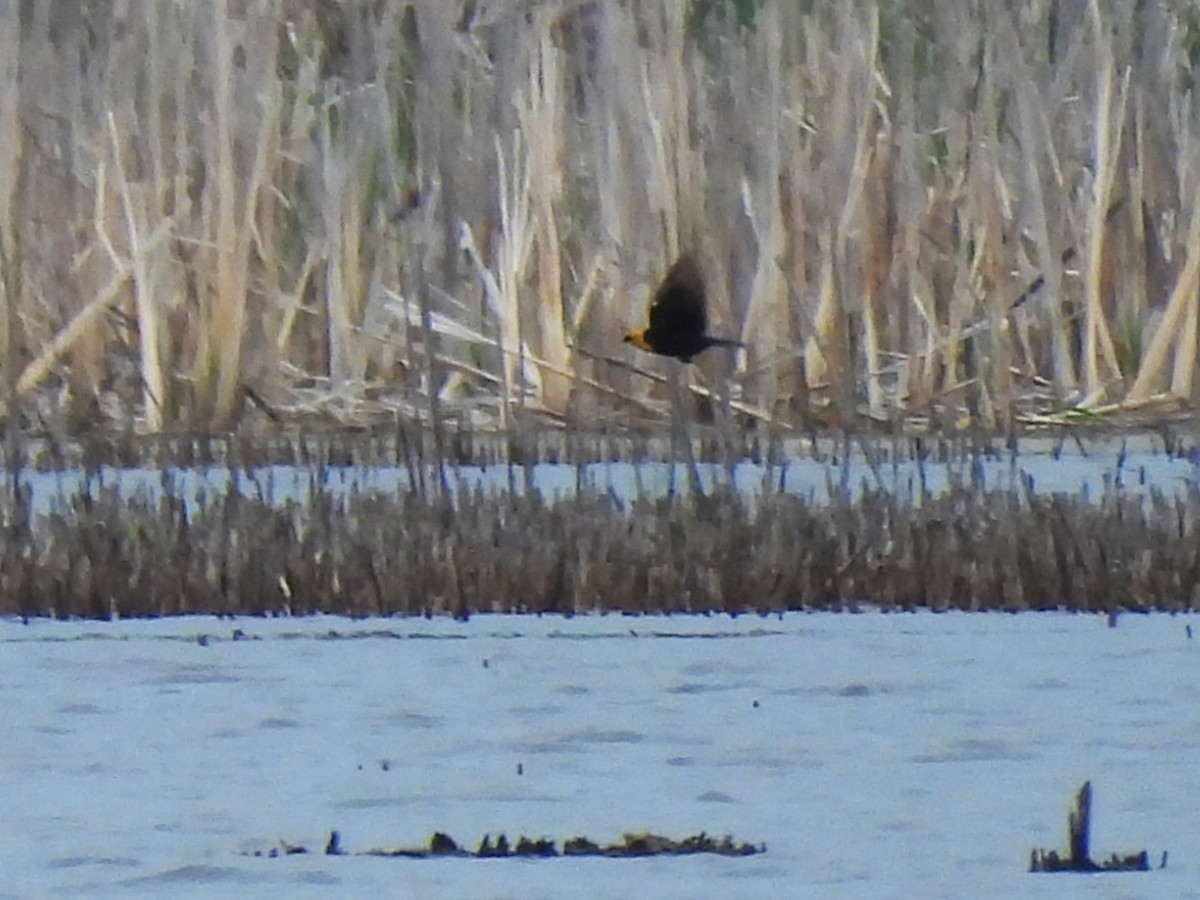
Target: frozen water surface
point(877, 756)
point(1074, 472)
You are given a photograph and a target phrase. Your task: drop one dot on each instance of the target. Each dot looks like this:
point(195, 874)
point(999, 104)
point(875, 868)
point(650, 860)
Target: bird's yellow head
point(638, 339)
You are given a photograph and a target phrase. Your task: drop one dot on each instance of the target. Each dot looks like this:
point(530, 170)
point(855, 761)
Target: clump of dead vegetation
point(1078, 857)
point(633, 845)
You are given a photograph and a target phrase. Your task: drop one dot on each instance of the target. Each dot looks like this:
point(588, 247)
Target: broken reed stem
point(237, 194)
point(416, 248)
point(85, 320)
point(1181, 310)
point(1099, 354)
point(1079, 826)
point(539, 108)
point(12, 261)
point(146, 290)
point(513, 178)
point(228, 310)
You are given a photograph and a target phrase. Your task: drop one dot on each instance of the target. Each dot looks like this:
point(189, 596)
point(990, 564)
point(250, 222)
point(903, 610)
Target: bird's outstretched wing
point(679, 302)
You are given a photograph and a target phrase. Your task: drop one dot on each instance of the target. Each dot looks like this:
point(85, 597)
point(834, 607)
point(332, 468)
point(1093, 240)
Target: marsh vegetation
point(405, 228)
point(222, 214)
point(414, 538)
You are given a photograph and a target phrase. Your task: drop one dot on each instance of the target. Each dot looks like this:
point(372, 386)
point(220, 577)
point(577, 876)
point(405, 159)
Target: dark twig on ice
point(333, 847)
point(1079, 858)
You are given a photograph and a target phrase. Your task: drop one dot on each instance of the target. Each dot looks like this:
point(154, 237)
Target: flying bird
point(678, 321)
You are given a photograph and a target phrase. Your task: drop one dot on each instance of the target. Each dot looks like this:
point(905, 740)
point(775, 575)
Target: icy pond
point(876, 756)
point(1137, 466)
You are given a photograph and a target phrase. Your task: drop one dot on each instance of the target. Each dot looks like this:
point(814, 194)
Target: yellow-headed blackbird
point(678, 321)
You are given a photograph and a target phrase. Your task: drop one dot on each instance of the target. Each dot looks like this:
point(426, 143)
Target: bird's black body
point(678, 321)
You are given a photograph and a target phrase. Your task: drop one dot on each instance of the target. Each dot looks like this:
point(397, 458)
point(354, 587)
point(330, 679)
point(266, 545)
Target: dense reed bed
point(422, 550)
point(941, 212)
